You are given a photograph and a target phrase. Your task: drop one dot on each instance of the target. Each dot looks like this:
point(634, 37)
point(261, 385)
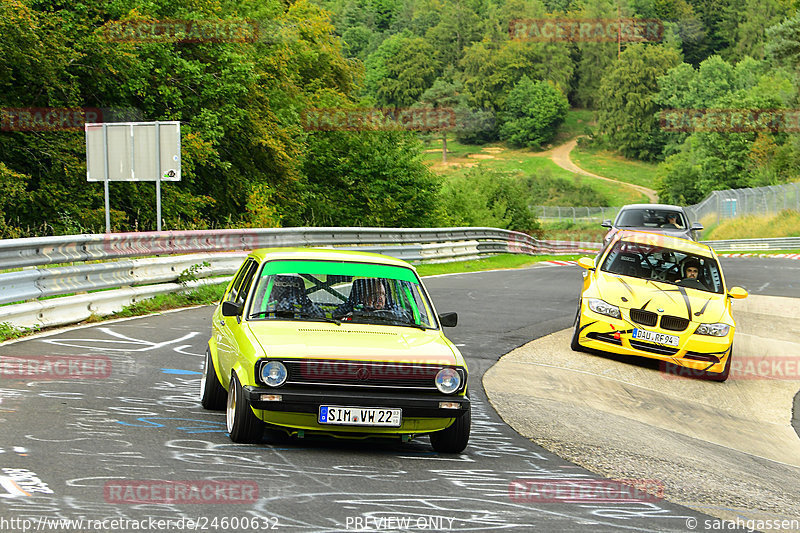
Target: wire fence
point(719, 205)
point(732, 203)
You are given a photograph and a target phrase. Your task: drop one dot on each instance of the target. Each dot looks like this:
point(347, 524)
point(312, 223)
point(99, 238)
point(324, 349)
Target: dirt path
point(560, 156)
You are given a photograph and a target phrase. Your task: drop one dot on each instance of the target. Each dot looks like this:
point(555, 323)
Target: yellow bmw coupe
point(659, 297)
point(341, 343)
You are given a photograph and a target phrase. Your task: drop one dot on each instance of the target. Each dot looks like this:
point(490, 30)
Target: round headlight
point(274, 373)
point(448, 380)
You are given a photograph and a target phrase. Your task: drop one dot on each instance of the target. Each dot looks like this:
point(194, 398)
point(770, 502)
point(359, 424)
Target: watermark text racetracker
point(153, 491)
point(586, 30)
point(730, 120)
point(54, 367)
point(183, 31)
point(784, 368)
point(200, 523)
point(378, 119)
point(585, 490)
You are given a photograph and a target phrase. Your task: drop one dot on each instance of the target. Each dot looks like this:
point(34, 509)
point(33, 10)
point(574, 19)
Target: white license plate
point(658, 338)
point(360, 416)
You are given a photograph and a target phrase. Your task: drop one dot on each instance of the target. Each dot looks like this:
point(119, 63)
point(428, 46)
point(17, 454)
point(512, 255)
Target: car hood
point(318, 340)
point(628, 292)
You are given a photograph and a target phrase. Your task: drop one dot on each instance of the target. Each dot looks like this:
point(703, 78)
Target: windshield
point(340, 292)
point(647, 261)
point(652, 218)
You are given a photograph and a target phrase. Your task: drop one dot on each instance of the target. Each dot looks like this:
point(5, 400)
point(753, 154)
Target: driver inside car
point(691, 274)
point(376, 295)
point(371, 296)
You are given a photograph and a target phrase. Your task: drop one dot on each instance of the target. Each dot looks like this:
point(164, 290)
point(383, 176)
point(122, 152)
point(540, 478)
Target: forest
point(244, 76)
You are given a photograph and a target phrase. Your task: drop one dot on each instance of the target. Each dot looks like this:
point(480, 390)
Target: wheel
point(722, 376)
point(212, 393)
point(242, 424)
point(576, 330)
point(454, 438)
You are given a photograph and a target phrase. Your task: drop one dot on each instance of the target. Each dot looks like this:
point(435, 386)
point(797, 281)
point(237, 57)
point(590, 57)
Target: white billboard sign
point(133, 151)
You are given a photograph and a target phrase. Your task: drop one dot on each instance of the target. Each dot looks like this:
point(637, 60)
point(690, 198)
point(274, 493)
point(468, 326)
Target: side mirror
point(737, 292)
point(232, 309)
point(607, 224)
point(697, 227)
point(585, 262)
point(448, 320)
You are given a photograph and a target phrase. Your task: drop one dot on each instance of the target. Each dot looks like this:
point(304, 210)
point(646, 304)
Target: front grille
point(605, 337)
point(674, 323)
point(645, 318)
point(362, 374)
point(653, 348)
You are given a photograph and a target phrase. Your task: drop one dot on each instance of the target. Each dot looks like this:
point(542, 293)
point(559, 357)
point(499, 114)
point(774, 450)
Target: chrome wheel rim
point(203, 378)
point(231, 408)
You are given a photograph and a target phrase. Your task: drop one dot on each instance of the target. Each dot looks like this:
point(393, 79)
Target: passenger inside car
point(289, 296)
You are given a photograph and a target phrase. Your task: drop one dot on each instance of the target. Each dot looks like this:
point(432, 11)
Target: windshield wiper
point(300, 314)
point(384, 320)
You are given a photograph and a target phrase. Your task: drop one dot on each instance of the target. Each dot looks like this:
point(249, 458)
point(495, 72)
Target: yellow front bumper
point(698, 352)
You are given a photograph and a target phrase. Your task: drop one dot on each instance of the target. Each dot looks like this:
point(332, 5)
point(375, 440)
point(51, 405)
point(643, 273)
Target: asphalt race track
point(88, 450)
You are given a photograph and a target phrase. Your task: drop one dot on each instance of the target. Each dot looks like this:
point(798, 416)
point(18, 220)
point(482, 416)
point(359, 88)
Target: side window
point(242, 282)
point(247, 281)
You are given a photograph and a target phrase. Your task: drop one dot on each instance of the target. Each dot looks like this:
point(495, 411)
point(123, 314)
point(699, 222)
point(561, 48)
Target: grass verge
point(614, 166)
point(784, 224)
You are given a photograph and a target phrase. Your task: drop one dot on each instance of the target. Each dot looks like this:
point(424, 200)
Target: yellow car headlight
point(604, 308)
point(714, 330)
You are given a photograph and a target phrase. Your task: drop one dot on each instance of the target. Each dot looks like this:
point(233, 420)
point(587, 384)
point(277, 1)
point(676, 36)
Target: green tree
point(409, 72)
point(627, 109)
point(482, 197)
point(369, 178)
point(490, 70)
point(533, 112)
point(442, 96)
point(783, 41)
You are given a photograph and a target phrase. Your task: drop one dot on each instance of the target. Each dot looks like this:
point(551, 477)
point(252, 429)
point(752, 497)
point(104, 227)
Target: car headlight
point(604, 308)
point(715, 330)
point(274, 373)
point(448, 380)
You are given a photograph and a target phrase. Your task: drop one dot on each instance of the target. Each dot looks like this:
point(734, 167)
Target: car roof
point(666, 241)
point(326, 254)
point(652, 206)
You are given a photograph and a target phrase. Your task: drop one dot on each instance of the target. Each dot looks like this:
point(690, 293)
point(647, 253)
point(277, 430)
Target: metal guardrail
point(222, 249)
point(782, 243)
point(15, 253)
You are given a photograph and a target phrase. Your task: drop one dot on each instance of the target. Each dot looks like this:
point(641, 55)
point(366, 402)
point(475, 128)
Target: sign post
point(133, 151)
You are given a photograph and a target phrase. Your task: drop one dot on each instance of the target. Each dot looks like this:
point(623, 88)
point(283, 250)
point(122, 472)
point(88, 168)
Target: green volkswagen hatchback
point(341, 343)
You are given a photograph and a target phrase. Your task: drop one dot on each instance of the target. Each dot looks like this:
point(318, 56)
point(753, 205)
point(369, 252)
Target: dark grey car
point(658, 218)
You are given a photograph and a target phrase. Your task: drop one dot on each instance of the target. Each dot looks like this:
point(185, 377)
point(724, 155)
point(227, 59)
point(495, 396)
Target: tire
point(453, 439)
point(576, 330)
point(243, 426)
point(722, 376)
point(212, 393)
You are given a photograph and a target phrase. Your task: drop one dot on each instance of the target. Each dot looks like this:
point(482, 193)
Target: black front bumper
point(308, 400)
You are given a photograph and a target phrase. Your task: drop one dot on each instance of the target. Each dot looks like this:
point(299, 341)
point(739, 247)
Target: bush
point(533, 112)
